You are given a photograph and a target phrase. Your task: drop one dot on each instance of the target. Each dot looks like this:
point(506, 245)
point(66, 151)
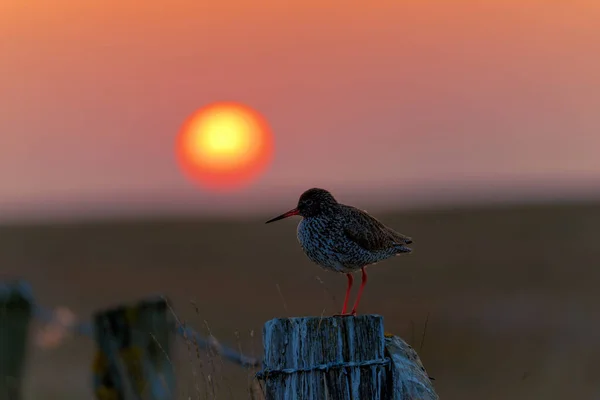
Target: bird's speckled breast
point(317, 236)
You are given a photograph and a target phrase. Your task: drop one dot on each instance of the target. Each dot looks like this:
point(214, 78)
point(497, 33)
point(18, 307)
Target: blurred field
point(512, 293)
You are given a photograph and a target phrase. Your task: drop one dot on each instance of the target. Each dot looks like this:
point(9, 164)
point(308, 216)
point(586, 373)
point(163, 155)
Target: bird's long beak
point(284, 215)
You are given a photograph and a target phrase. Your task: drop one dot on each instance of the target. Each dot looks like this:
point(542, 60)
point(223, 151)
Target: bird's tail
point(402, 249)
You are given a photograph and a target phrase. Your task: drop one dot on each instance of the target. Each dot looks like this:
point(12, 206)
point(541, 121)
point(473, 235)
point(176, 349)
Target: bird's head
point(311, 203)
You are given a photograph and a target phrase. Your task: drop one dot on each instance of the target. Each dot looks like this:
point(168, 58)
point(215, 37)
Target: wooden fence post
point(409, 377)
point(133, 352)
point(339, 358)
point(16, 303)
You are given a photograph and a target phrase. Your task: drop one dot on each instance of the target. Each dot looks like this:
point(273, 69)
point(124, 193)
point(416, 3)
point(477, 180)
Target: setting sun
point(224, 145)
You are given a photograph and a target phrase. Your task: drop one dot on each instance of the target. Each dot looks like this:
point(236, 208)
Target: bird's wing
point(369, 233)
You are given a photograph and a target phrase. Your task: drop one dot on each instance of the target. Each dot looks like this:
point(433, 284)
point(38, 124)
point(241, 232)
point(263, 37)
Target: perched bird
point(343, 238)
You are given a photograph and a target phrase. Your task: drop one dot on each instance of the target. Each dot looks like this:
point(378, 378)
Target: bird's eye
point(308, 202)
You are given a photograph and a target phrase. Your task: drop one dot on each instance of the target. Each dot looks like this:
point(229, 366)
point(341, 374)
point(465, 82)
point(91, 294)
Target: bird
point(343, 238)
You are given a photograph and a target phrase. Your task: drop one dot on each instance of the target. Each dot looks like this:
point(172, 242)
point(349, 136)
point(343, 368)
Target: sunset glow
point(224, 146)
point(463, 98)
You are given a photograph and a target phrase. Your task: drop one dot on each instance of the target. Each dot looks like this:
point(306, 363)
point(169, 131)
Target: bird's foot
point(352, 314)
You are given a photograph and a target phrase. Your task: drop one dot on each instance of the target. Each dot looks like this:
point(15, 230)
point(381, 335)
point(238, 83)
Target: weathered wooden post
point(132, 359)
point(409, 377)
point(339, 358)
point(16, 306)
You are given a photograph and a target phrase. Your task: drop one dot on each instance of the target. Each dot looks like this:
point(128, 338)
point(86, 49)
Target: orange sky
point(450, 97)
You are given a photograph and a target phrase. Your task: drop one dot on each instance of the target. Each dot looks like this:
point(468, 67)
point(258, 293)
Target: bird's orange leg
point(360, 290)
point(350, 280)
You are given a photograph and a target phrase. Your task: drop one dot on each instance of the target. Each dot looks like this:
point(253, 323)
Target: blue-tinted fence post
point(16, 304)
point(339, 358)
